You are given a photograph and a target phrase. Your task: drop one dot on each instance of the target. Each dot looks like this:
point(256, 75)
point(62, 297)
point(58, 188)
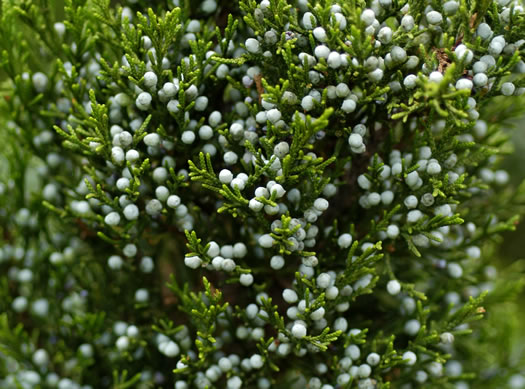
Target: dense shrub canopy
point(273, 194)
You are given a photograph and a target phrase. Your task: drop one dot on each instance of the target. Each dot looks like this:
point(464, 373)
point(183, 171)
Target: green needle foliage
point(259, 194)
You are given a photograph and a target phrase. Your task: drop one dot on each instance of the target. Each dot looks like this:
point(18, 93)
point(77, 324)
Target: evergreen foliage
point(259, 194)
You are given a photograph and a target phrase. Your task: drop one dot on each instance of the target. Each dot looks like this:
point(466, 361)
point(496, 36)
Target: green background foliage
point(499, 347)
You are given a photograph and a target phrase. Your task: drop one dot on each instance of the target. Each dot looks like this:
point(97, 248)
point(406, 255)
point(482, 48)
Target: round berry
point(143, 101)
point(393, 287)
point(299, 330)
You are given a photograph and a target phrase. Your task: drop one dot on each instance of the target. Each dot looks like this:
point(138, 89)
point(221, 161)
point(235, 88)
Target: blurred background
point(514, 163)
